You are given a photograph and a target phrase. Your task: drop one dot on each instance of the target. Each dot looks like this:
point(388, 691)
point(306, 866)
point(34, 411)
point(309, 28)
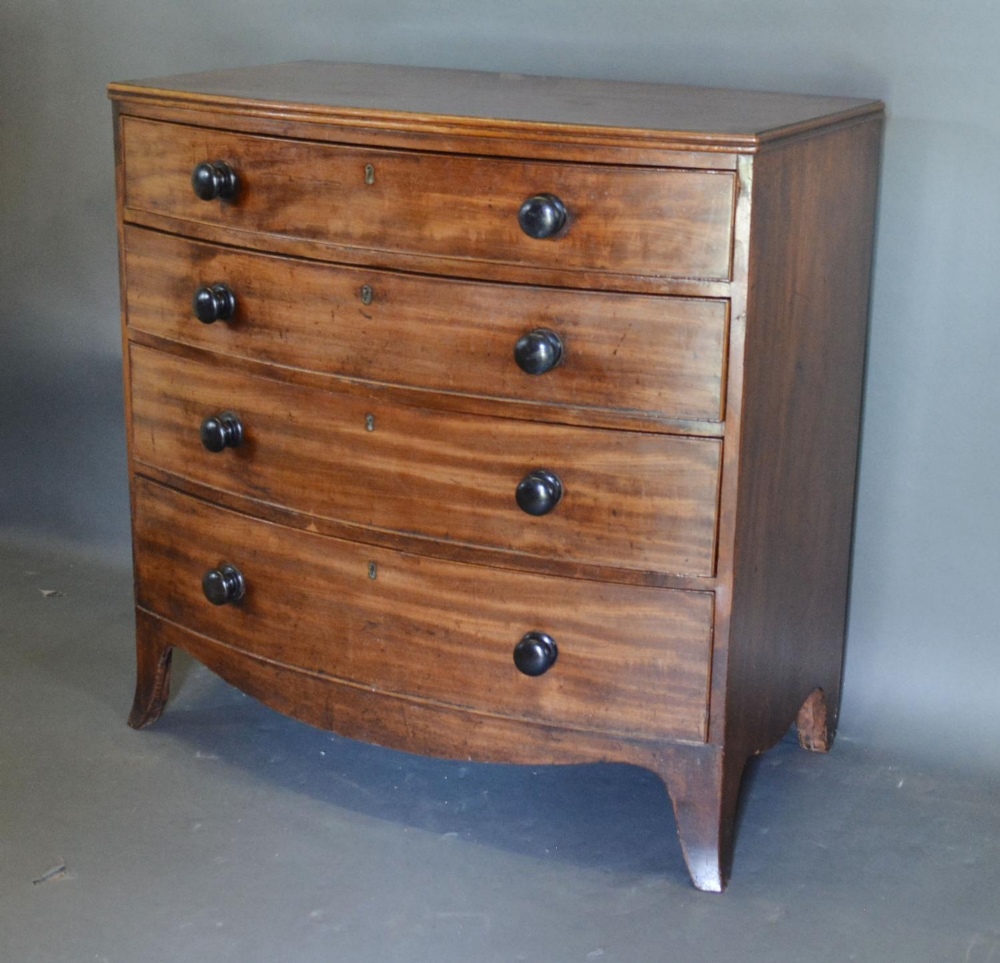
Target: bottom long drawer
point(631, 660)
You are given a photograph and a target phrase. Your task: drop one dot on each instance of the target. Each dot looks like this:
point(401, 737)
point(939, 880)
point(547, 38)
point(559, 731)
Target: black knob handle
point(539, 492)
point(535, 653)
point(538, 351)
point(214, 303)
point(542, 216)
point(215, 180)
point(223, 584)
point(220, 431)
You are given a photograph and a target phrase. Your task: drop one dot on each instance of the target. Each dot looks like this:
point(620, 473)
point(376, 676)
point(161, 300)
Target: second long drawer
point(663, 357)
point(634, 500)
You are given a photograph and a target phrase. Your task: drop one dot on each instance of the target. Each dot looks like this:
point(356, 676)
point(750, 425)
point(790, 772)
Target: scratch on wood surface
point(621, 340)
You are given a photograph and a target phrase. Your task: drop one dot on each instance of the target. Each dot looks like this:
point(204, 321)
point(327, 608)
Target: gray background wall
point(923, 658)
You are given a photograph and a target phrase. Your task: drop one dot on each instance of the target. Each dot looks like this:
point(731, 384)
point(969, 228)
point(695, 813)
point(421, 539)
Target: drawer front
point(431, 629)
point(656, 355)
point(630, 499)
point(623, 220)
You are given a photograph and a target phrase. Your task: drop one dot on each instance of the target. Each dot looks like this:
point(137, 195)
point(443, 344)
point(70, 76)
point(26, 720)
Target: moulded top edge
point(475, 102)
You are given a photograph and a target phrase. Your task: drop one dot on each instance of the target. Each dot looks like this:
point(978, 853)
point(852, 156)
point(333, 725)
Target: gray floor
point(227, 832)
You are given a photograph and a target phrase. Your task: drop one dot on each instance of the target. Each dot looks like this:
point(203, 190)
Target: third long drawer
point(634, 500)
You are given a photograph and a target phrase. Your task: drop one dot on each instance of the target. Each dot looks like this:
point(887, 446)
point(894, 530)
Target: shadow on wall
point(63, 468)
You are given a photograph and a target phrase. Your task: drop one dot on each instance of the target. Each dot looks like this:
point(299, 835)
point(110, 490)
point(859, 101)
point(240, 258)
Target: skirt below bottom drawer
point(632, 661)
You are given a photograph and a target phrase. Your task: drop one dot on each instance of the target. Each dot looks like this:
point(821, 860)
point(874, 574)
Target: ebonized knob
point(538, 351)
point(542, 216)
point(221, 431)
point(535, 653)
point(214, 303)
point(539, 492)
point(223, 584)
point(214, 180)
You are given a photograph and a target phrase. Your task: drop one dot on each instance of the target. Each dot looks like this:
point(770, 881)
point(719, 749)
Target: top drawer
point(620, 220)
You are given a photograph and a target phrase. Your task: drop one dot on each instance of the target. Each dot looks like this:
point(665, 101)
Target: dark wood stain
point(711, 289)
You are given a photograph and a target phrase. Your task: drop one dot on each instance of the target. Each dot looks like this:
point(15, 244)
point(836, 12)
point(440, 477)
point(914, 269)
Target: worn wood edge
point(226, 661)
point(152, 683)
point(703, 783)
point(707, 141)
point(726, 517)
point(811, 723)
point(123, 323)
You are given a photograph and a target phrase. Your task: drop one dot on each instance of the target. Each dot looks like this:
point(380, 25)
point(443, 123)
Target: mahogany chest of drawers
point(499, 417)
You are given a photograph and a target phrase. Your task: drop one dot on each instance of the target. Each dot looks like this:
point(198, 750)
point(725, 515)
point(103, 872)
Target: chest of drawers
point(499, 417)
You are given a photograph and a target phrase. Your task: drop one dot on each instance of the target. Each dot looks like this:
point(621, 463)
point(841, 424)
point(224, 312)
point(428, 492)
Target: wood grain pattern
point(500, 272)
point(712, 287)
point(807, 309)
point(447, 476)
point(403, 722)
point(513, 105)
point(430, 629)
point(573, 145)
point(651, 221)
point(662, 357)
point(421, 544)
